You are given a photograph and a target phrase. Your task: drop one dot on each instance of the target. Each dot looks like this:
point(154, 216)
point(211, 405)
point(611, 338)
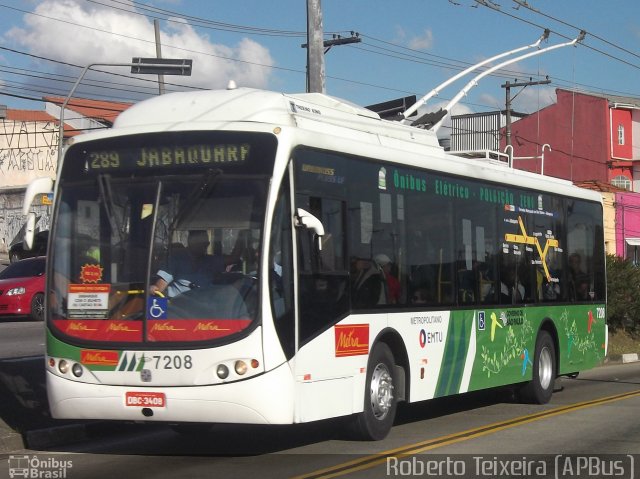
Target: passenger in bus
point(368, 285)
point(582, 287)
point(547, 290)
point(579, 281)
point(420, 296)
point(511, 290)
point(393, 285)
point(188, 268)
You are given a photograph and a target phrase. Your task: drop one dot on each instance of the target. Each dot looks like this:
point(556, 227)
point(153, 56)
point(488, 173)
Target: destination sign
point(168, 156)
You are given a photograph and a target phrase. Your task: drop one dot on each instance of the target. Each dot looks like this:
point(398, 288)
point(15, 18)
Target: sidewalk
point(25, 421)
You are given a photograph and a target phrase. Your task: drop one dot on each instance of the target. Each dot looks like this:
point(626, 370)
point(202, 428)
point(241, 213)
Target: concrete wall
point(627, 222)
point(609, 211)
point(28, 149)
point(575, 128)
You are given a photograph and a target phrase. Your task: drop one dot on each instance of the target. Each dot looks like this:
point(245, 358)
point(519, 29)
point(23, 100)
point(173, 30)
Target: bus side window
point(323, 276)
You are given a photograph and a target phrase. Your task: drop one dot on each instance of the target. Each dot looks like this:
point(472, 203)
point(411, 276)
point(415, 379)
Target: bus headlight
point(222, 371)
point(63, 366)
point(76, 369)
point(241, 368)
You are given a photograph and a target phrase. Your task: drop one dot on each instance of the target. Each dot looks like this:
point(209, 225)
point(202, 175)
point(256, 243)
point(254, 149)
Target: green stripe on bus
point(458, 337)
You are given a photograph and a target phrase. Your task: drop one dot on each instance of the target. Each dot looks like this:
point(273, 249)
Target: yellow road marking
point(380, 458)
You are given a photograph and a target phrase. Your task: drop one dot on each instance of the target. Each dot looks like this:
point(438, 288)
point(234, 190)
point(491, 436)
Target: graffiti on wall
point(12, 220)
point(28, 146)
point(28, 149)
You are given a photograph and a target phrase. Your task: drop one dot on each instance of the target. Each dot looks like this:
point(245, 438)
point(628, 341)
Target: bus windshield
point(156, 239)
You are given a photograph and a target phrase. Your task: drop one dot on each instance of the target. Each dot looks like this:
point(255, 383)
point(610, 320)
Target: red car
point(22, 289)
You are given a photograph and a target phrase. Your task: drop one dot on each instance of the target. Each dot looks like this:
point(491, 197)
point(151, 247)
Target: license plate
point(145, 399)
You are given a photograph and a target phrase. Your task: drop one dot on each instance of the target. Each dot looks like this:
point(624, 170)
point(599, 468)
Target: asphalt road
point(592, 415)
point(21, 338)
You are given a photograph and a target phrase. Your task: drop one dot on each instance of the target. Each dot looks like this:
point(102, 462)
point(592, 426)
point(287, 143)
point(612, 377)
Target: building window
point(620, 134)
point(622, 181)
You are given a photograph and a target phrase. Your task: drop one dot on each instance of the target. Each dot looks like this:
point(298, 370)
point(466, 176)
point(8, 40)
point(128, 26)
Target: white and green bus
point(351, 264)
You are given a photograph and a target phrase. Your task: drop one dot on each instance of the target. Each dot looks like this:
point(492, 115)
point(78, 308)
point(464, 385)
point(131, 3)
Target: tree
point(623, 295)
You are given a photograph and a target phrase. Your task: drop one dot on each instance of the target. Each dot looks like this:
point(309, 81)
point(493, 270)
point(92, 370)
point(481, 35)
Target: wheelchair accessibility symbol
point(481, 321)
point(157, 308)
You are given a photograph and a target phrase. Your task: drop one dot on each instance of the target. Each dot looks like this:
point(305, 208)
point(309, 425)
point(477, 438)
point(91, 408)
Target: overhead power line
point(202, 22)
point(496, 7)
point(524, 4)
point(371, 45)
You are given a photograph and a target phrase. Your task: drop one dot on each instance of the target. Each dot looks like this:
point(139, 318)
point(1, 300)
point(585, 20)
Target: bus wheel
point(540, 388)
point(375, 421)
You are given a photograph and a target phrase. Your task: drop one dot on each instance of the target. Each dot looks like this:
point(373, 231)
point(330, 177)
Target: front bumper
point(264, 399)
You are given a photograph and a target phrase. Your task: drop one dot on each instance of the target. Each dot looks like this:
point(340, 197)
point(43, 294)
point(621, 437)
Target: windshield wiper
point(106, 198)
point(204, 186)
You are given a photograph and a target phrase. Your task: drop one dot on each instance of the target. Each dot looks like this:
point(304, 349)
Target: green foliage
point(623, 294)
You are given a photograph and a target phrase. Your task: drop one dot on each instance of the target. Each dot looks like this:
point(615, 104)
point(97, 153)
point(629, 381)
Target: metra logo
point(73, 326)
point(351, 339)
point(165, 327)
point(100, 358)
point(121, 327)
point(209, 327)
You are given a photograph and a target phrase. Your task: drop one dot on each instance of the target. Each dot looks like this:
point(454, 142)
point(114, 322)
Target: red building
point(588, 136)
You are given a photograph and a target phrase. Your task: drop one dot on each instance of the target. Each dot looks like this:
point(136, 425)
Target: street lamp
point(155, 66)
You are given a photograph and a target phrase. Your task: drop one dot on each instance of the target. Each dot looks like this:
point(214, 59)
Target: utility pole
point(315, 54)
point(507, 86)
point(316, 47)
point(156, 28)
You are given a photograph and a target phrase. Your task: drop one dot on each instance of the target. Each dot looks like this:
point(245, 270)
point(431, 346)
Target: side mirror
point(307, 220)
point(29, 231)
point(37, 187)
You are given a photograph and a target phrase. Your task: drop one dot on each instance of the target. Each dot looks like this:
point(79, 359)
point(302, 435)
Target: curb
point(630, 358)
point(11, 441)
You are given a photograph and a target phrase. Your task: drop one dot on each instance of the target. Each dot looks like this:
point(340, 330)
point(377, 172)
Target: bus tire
point(380, 403)
point(540, 388)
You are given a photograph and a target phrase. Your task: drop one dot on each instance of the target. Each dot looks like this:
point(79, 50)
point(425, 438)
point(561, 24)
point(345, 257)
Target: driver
point(188, 268)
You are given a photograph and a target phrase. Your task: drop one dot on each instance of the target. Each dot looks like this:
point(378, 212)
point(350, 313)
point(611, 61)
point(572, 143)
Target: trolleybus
point(347, 263)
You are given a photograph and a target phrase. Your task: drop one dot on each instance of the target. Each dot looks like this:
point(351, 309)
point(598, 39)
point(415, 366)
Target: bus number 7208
point(172, 362)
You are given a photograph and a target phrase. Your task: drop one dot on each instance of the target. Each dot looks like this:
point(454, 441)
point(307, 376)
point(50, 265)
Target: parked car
point(17, 251)
point(22, 289)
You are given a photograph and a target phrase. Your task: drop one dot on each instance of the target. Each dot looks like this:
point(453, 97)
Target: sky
point(407, 47)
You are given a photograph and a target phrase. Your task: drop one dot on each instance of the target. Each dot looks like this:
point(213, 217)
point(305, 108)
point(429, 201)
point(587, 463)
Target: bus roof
point(318, 114)
point(177, 110)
